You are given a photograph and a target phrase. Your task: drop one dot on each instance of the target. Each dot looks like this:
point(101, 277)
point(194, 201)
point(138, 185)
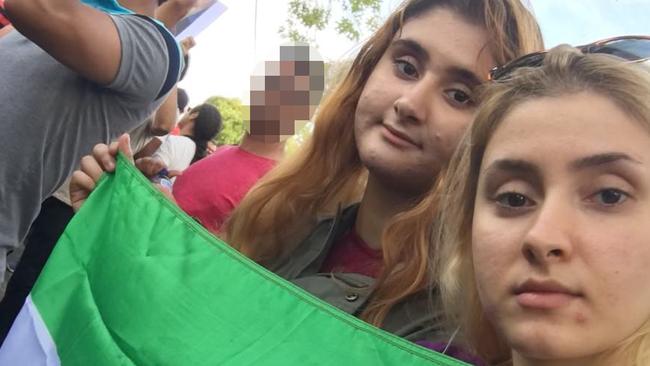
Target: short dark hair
point(182, 99)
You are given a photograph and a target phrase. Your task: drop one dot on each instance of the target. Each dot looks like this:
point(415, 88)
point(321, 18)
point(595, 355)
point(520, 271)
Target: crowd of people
point(462, 188)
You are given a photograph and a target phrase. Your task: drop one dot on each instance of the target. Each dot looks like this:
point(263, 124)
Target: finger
point(90, 166)
point(103, 156)
point(124, 146)
point(80, 187)
point(150, 166)
point(81, 182)
point(174, 173)
point(112, 148)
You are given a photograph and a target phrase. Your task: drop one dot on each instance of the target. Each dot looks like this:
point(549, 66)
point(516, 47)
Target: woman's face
point(418, 99)
point(561, 227)
point(186, 124)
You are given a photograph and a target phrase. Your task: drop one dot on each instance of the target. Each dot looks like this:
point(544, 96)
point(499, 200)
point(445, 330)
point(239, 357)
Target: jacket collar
point(309, 255)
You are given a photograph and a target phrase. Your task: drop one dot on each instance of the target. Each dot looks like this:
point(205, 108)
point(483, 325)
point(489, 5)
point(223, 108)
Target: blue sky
point(584, 21)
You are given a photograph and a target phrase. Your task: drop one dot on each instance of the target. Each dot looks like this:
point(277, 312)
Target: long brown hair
point(565, 70)
point(327, 172)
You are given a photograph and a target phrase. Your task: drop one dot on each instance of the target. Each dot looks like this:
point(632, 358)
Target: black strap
point(174, 57)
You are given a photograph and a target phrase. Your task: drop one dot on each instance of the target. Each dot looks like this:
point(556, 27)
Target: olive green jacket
point(415, 319)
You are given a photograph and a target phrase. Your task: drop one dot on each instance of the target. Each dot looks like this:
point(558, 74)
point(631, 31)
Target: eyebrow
point(412, 46)
point(522, 167)
point(601, 159)
point(515, 166)
point(465, 75)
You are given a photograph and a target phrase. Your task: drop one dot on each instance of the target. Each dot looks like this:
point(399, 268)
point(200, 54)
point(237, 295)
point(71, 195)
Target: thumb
point(124, 146)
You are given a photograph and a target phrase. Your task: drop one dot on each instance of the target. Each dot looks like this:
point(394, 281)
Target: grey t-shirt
point(51, 116)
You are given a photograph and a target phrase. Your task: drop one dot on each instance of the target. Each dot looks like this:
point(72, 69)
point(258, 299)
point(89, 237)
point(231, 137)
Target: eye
point(513, 200)
point(610, 197)
point(460, 97)
point(406, 68)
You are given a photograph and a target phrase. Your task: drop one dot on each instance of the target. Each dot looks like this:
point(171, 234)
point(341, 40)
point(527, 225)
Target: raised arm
point(172, 11)
point(80, 37)
point(164, 119)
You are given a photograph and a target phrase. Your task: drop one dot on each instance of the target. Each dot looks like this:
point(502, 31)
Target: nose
point(413, 104)
point(549, 239)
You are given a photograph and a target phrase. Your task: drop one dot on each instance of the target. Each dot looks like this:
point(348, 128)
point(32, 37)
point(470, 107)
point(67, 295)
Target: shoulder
point(179, 140)
point(180, 144)
point(151, 58)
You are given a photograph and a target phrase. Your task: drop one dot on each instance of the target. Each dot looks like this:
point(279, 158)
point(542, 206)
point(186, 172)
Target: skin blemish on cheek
point(580, 318)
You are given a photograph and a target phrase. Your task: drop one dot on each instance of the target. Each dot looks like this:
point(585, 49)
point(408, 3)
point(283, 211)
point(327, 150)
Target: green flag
point(135, 281)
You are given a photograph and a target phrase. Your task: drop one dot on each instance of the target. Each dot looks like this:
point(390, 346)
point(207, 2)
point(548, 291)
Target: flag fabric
point(135, 281)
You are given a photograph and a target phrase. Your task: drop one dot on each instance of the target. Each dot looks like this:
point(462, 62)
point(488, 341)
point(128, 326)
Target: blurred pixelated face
point(419, 99)
point(286, 96)
point(560, 234)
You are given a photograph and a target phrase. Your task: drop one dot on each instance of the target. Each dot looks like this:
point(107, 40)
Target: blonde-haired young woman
point(381, 139)
point(544, 244)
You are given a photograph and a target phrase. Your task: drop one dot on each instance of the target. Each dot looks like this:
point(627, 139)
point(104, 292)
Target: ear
point(193, 116)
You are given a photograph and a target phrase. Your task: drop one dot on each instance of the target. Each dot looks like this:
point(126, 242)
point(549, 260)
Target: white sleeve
point(165, 151)
point(176, 151)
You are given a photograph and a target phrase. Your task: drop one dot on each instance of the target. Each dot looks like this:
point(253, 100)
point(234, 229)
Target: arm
point(165, 118)
point(172, 11)
point(5, 30)
point(78, 36)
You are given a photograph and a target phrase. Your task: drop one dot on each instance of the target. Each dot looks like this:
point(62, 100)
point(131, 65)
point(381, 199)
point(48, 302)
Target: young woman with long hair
point(380, 139)
point(543, 243)
point(323, 217)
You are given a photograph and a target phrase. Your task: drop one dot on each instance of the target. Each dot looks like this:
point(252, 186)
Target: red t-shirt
point(211, 188)
point(351, 254)
point(3, 16)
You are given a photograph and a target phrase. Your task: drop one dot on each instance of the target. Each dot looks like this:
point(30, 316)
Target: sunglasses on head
point(629, 48)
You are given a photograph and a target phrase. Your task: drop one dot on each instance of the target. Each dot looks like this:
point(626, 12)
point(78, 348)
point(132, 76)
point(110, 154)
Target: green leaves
point(232, 119)
point(351, 18)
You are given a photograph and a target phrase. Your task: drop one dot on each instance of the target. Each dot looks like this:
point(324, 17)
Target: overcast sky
point(227, 52)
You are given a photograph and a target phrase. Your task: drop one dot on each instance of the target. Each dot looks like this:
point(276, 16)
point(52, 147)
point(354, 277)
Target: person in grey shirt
point(76, 73)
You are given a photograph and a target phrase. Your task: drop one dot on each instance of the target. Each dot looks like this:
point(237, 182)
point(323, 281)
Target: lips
point(543, 295)
point(397, 137)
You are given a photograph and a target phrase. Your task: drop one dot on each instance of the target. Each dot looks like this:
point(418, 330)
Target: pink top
point(351, 254)
point(212, 187)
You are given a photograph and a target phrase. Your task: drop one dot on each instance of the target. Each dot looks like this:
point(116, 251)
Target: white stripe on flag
point(28, 341)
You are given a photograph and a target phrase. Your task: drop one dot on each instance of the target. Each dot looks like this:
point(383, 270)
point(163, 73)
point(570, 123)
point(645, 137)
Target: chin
point(544, 343)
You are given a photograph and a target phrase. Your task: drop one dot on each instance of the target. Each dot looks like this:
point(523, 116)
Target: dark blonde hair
point(327, 172)
point(565, 70)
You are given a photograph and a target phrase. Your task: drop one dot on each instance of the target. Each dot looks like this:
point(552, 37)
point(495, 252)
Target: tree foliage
point(293, 143)
point(233, 124)
point(232, 119)
point(350, 18)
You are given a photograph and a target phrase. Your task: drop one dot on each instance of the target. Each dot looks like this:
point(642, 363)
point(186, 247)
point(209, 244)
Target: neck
point(378, 206)
point(269, 150)
point(147, 8)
